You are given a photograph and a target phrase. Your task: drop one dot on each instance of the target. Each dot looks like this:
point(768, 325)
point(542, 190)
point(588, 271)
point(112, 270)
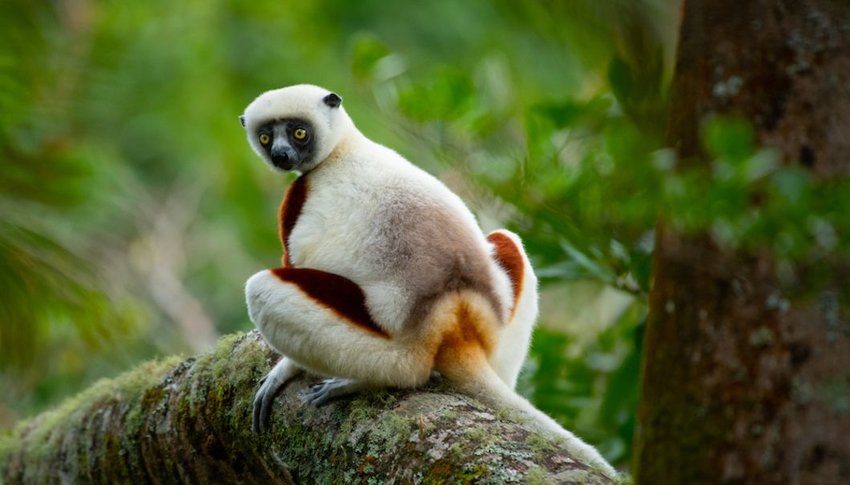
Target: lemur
point(386, 275)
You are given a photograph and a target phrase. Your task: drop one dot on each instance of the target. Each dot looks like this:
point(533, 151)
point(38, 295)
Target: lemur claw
point(328, 389)
point(263, 401)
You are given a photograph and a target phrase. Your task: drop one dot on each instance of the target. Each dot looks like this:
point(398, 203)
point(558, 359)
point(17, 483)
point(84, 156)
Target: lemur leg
point(320, 320)
point(270, 385)
point(514, 339)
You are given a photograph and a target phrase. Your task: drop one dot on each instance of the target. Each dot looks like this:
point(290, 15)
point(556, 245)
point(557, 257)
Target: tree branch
point(190, 421)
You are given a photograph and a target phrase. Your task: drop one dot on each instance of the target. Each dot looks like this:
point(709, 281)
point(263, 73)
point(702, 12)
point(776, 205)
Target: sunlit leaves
point(638, 85)
point(731, 139)
point(749, 199)
point(447, 96)
point(42, 285)
point(571, 112)
point(366, 53)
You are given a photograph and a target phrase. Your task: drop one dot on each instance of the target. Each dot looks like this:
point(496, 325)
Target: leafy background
point(132, 210)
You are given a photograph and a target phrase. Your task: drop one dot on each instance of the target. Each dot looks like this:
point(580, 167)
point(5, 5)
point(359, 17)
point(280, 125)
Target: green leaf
point(791, 183)
point(365, 55)
point(731, 139)
point(448, 97)
point(622, 79)
point(587, 264)
point(570, 112)
point(762, 164)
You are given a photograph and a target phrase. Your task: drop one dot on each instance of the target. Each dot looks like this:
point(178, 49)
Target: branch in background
point(165, 264)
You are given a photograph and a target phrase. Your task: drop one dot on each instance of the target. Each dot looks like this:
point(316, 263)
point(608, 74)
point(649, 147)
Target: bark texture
point(745, 380)
point(190, 422)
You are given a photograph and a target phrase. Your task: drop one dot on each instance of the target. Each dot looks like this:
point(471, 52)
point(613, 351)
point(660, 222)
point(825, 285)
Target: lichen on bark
point(190, 421)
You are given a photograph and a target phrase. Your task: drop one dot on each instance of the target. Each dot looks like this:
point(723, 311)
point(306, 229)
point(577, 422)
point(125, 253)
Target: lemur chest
point(328, 227)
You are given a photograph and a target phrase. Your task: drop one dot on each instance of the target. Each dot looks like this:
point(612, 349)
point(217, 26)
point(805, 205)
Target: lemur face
point(288, 143)
point(297, 127)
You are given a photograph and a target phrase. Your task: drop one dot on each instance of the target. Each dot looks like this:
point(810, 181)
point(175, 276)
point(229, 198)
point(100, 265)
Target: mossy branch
point(190, 421)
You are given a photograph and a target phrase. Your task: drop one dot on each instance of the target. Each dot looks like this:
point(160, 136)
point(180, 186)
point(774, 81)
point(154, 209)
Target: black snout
point(282, 161)
point(284, 158)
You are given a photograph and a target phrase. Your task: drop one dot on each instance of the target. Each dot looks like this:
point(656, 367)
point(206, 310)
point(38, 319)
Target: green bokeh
point(132, 210)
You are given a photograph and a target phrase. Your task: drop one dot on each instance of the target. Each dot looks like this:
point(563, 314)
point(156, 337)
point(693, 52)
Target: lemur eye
point(300, 134)
point(265, 139)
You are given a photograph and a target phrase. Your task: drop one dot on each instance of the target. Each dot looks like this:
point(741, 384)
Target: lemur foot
point(331, 388)
point(270, 387)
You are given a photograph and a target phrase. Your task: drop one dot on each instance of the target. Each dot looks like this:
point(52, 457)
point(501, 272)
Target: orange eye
point(265, 139)
point(300, 134)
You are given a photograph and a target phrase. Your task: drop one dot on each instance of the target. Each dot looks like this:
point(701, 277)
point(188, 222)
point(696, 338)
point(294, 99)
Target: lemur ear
point(333, 100)
point(242, 120)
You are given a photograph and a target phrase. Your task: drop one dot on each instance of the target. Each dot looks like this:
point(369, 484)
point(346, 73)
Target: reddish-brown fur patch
point(509, 257)
point(290, 209)
point(464, 343)
point(335, 292)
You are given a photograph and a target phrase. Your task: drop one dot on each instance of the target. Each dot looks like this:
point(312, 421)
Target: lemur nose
point(282, 161)
point(283, 157)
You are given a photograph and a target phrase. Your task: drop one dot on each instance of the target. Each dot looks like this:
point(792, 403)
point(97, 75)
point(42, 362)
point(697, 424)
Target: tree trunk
point(190, 422)
point(746, 379)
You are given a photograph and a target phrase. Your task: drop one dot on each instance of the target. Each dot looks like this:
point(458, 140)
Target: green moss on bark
point(190, 421)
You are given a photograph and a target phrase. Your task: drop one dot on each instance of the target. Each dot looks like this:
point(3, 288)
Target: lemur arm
point(319, 321)
point(290, 208)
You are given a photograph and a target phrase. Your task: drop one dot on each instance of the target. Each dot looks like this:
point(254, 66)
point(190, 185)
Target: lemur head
point(296, 127)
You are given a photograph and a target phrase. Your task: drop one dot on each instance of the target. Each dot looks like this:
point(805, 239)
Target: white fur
point(365, 204)
point(333, 233)
point(292, 322)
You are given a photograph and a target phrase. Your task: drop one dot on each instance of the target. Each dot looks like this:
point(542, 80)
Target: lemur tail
point(474, 376)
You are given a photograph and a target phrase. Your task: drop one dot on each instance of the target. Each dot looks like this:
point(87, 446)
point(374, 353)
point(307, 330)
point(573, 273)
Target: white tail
point(484, 384)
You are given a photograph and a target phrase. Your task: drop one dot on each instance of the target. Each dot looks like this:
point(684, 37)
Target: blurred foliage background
point(132, 210)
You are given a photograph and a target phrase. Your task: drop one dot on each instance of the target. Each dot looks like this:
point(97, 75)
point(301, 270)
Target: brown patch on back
point(341, 295)
point(425, 244)
point(290, 209)
point(509, 257)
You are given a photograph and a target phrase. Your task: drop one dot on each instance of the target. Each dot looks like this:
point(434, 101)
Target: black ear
point(333, 100)
point(242, 120)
